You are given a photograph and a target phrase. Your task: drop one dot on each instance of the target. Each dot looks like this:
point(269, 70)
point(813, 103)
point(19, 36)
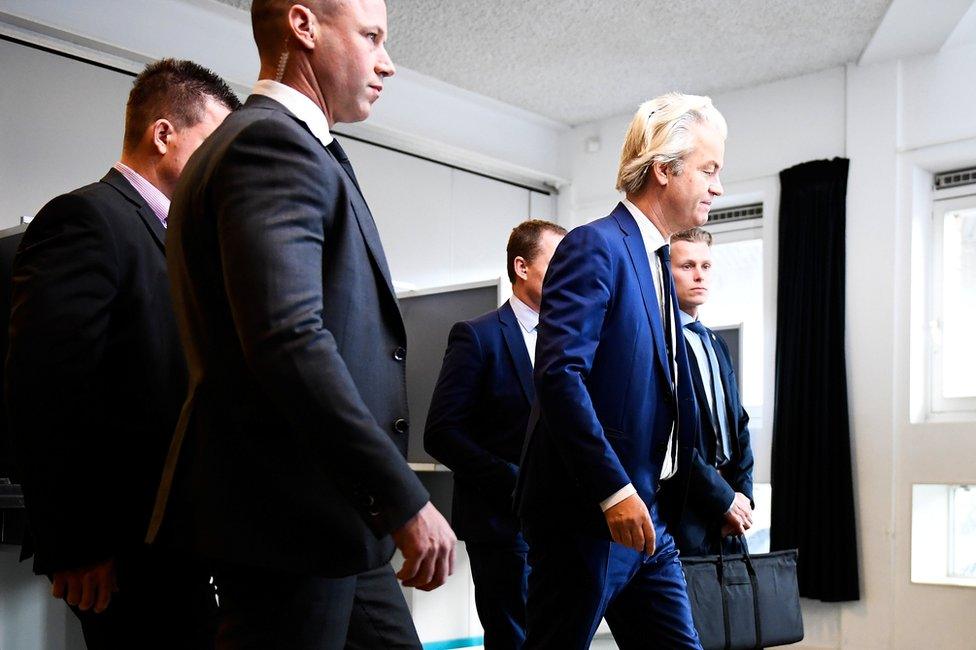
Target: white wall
point(416, 112)
point(906, 119)
point(29, 618)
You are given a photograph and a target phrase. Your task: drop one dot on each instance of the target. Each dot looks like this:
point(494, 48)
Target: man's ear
point(162, 131)
point(660, 173)
point(521, 267)
point(303, 26)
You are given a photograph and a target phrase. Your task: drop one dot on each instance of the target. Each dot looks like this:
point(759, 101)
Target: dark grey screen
point(730, 335)
point(428, 320)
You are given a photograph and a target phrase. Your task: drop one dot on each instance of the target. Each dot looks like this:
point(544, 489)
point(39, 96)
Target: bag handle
point(726, 620)
point(754, 581)
point(755, 588)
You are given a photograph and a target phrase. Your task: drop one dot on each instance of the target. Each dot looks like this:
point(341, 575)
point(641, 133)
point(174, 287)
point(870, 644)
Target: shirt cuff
point(617, 497)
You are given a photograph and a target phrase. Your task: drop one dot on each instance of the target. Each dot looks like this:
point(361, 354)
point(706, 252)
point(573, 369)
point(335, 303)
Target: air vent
point(955, 178)
point(738, 213)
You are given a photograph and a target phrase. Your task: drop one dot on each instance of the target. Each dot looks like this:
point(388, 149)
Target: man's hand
point(630, 524)
point(86, 587)
point(739, 517)
point(427, 543)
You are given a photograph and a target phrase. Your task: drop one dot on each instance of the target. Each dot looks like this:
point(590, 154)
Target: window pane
point(736, 299)
point(959, 304)
point(963, 558)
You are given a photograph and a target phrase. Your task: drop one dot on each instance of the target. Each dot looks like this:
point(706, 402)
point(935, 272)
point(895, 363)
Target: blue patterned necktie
point(719, 421)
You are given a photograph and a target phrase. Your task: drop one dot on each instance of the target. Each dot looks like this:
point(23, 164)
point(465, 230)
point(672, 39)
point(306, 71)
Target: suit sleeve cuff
point(617, 497)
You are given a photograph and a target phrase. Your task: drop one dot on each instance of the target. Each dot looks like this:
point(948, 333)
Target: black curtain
point(813, 494)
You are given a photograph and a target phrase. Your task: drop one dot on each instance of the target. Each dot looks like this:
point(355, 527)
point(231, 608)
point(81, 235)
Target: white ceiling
point(580, 60)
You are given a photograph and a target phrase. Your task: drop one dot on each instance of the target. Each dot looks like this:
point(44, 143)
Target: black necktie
point(664, 254)
point(721, 455)
point(340, 155)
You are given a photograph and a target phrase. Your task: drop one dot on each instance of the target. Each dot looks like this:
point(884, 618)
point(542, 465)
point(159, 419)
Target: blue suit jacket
point(603, 383)
point(710, 491)
point(477, 419)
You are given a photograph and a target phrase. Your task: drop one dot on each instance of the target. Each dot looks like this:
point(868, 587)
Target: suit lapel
point(515, 342)
point(642, 267)
point(149, 218)
point(731, 395)
point(367, 226)
point(356, 199)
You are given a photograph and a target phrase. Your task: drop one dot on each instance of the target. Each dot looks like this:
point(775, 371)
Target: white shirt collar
point(653, 239)
point(154, 198)
point(527, 317)
point(686, 318)
point(299, 104)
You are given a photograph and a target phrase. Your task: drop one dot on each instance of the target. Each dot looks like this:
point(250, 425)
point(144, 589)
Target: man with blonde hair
point(720, 483)
point(617, 413)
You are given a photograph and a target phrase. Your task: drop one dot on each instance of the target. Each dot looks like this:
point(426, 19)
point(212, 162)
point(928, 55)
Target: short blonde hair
point(661, 133)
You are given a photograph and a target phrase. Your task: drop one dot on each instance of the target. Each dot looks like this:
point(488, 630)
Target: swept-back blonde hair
point(661, 133)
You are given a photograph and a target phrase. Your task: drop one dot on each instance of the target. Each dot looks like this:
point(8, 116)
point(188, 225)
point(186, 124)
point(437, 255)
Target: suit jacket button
point(401, 426)
point(400, 354)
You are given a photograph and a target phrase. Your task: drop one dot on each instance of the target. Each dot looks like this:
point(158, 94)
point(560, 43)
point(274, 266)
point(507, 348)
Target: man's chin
point(354, 116)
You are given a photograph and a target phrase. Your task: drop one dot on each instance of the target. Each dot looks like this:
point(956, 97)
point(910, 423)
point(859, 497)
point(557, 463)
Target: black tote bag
point(744, 601)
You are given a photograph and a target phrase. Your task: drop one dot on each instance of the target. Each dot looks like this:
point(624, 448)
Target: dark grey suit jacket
point(95, 372)
point(290, 449)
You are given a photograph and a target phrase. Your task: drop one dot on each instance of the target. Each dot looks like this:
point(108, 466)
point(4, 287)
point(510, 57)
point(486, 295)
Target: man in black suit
point(287, 467)
point(476, 426)
point(96, 377)
point(719, 506)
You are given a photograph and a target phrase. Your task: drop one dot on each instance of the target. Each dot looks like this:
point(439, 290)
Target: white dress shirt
point(653, 240)
point(299, 104)
point(528, 320)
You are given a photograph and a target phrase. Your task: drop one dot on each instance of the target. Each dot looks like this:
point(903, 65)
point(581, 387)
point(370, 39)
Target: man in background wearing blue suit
point(476, 426)
point(618, 412)
point(720, 487)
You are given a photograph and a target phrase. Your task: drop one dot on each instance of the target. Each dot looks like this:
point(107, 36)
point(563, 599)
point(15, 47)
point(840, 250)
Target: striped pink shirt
point(150, 193)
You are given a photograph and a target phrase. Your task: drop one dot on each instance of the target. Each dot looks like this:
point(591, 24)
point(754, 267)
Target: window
point(962, 532)
point(944, 534)
point(953, 306)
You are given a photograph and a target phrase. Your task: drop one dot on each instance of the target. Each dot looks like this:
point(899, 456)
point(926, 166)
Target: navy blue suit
point(710, 490)
point(607, 408)
point(476, 426)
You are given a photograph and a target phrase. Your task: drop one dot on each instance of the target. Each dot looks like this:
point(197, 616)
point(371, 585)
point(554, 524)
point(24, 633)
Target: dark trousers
point(500, 574)
point(165, 600)
point(262, 609)
point(578, 578)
